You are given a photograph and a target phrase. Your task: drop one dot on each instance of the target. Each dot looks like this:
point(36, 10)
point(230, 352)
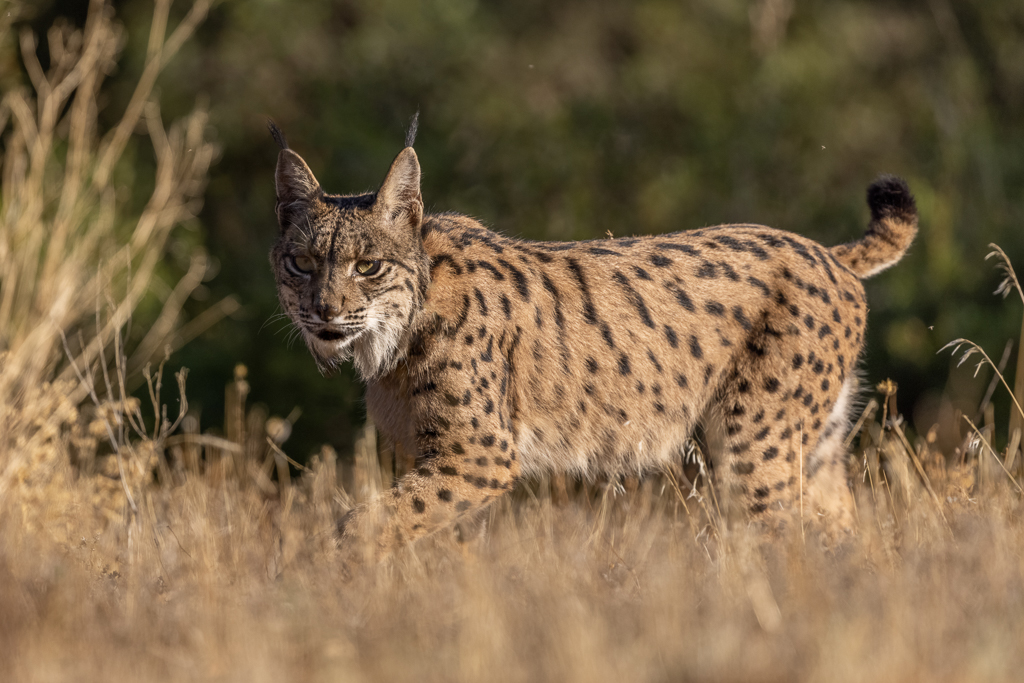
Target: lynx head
point(351, 269)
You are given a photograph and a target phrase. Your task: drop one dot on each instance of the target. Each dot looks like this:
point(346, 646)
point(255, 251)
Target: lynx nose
point(327, 311)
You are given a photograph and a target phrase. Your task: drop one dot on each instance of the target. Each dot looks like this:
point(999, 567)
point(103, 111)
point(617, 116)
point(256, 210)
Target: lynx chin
point(492, 358)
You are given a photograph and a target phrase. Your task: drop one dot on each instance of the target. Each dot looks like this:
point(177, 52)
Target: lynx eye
point(367, 268)
point(303, 264)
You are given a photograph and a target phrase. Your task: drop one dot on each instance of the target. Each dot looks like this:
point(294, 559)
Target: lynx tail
point(892, 229)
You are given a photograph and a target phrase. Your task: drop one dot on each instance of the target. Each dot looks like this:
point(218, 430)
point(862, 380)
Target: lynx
point(493, 358)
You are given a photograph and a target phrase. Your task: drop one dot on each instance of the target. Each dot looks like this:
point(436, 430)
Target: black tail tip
point(889, 197)
point(276, 133)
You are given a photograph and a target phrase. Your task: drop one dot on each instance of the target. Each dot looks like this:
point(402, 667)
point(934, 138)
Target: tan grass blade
point(994, 455)
point(973, 348)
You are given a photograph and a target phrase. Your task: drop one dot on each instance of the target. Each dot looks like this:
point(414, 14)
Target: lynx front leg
point(465, 461)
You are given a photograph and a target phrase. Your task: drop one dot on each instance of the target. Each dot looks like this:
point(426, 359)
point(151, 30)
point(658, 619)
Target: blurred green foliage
point(565, 119)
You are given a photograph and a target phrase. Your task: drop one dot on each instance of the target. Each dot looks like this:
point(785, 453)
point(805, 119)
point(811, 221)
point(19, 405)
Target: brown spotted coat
point(492, 358)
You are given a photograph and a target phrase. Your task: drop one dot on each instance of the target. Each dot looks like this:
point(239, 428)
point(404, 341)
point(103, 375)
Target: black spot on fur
point(641, 273)
point(682, 298)
point(654, 361)
point(480, 301)
point(741, 317)
point(707, 270)
point(634, 298)
point(670, 335)
point(489, 267)
point(760, 285)
point(695, 349)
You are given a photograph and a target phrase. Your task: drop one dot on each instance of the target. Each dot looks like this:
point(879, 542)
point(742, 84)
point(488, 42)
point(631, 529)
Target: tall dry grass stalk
point(74, 260)
point(130, 553)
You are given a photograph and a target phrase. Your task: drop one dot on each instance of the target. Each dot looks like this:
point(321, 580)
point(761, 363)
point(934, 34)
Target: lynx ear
point(398, 198)
point(296, 186)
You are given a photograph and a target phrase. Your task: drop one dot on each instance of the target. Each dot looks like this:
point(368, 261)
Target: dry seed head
point(278, 429)
point(1010, 281)
point(887, 387)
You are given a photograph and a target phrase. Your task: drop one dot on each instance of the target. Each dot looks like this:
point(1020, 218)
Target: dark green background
point(564, 120)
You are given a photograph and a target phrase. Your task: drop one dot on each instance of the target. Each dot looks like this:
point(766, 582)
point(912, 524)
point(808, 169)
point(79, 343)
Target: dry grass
point(217, 577)
point(131, 553)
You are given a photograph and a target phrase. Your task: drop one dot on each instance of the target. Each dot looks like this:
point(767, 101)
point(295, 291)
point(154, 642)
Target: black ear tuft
point(277, 134)
point(889, 197)
point(410, 134)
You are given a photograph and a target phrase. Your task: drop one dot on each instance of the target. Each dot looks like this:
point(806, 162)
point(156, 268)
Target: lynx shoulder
point(491, 358)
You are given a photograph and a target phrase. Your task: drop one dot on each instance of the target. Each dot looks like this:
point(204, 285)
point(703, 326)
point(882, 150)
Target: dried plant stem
point(921, 473)
point(1009, 283)
point(974, 348)
point(865, 415)
point(995, 456)
point(158, 53)
point(1016, 421)
point(87, 381)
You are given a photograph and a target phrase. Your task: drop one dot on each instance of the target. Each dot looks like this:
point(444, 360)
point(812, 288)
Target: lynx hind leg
point(773, 413)
point(826, 496)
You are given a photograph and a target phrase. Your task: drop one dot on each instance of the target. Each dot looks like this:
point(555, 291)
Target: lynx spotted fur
point(492, 358)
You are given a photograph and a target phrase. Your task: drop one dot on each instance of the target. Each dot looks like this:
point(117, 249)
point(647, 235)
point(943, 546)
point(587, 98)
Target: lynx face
point(490, 357)
point(351, 270)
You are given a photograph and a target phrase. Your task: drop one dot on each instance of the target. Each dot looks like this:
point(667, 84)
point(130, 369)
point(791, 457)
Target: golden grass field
point(134, 549)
